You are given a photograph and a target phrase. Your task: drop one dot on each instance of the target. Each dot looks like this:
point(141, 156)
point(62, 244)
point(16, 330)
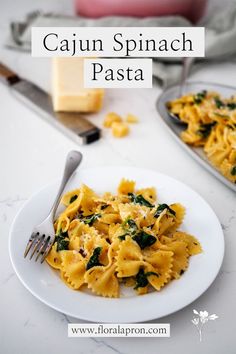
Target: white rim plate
point(45, 283)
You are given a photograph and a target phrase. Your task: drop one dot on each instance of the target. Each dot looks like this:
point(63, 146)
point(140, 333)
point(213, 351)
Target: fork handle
point(187, 64)
point(73, 160)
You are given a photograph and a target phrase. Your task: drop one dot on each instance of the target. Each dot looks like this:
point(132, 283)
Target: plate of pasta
point(207, 113)
point(131, 245)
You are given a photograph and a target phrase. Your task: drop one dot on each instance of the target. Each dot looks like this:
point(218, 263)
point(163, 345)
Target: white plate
point(44, 283)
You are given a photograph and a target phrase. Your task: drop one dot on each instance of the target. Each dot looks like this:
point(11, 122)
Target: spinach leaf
point(143, 239)
point(162, 207)
point(94, 259)
point(73, 198)
point(199, 97)
point(231, 105)
point(220, 115)
point(205, 129)
point(62, 241)
point(122, 237)
point(90, 219)
point(233, 171)
point(62, 244)
point(218, 102)
point(142, 278)
point(130, 226)
point(139, 199)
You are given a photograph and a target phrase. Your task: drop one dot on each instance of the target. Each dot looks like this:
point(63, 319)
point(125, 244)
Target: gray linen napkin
point(220, 36)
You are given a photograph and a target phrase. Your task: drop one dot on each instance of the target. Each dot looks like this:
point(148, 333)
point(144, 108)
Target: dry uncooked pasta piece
point(73, 268)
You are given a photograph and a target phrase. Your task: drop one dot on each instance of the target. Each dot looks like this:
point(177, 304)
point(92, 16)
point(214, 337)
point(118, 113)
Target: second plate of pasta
point(131, 245)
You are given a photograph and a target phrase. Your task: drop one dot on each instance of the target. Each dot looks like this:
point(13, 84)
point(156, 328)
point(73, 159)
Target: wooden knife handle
point(8, 75)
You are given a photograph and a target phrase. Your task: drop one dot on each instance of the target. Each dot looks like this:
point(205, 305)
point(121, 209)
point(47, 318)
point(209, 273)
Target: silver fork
point(43, 235)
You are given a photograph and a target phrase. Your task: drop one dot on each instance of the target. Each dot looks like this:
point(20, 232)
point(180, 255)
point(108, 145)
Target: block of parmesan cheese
point(68, 92)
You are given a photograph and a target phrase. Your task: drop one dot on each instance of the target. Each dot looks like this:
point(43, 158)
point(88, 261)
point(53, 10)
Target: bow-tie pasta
point(211, 124)
point(130, 238)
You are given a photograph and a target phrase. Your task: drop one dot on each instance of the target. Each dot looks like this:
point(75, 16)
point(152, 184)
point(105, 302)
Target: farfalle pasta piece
point(194, 246)
point(126, 186)
point(94, 242)
point(112, 218)
point(76, 228)
point(103, 242)
point(87, 200)
point(114, 231)
point(129, 258)
point(142, 290)
point(139, 213)
point(75, 244)
point(70, 197)
point(113, 251)
point(180, 257)
point(210, 121)
point(62, 224)
point(73, 267)
point(179, 210)
point(102, 228)
point(160, 263)
point(228, 169)
point(148, 193)
point(54, 258)
point(102, 280)
point(164, 222)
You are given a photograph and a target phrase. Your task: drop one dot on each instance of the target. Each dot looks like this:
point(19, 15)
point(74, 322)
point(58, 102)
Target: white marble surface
point(32, 154)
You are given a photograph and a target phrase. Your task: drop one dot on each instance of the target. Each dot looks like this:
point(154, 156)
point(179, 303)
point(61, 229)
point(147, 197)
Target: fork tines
point(40, 245)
